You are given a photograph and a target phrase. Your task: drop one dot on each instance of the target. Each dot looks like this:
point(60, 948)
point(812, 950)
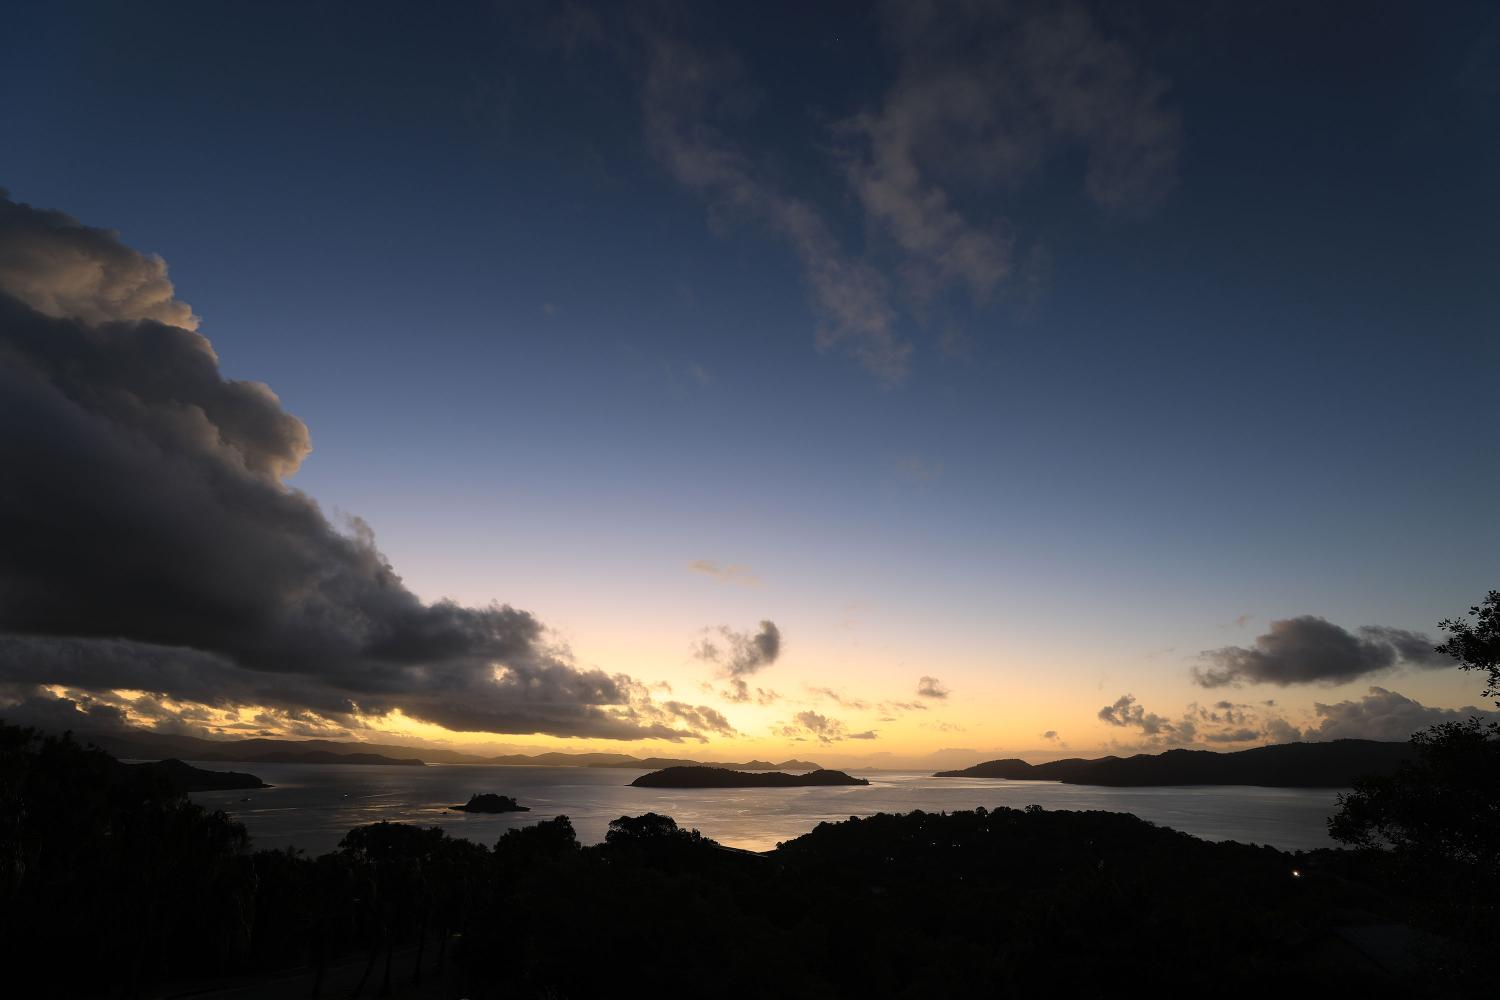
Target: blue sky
point(1249, 372)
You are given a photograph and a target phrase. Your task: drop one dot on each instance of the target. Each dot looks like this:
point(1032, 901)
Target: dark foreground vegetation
point(723, 777)
point(113, 884)
point(116, 886)
point(1335, 764)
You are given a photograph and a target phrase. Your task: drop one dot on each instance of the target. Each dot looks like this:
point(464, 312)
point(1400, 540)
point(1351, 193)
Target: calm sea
point(313, 805)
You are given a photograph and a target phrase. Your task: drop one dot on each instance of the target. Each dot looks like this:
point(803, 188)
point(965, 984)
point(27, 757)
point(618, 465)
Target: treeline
point(113, 883)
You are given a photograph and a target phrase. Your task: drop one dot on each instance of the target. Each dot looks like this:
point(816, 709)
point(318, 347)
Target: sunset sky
point(747, 379)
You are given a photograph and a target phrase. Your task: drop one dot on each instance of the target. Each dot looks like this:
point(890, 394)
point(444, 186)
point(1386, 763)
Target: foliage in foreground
point(110, 887)
point(1433, 826)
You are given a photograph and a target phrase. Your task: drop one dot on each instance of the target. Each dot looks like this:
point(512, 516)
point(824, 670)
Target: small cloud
point(725, 573)
point(931, 687)
point(1051, 735)
point(817, 726)
point(740, 653)
point(837, 698)
point(916, 469)
point(739, 692)
point(700, 374)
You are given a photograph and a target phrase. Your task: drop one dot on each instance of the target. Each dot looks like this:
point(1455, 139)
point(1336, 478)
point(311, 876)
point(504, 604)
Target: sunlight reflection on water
point(313, 805)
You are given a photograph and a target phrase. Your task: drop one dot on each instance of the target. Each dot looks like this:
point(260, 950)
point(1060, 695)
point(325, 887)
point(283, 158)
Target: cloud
point(985, 96)
point(849, 297)
point(1126, 712)
point(838, 699)
point(739, 691)
point(1241, 735)
point(1384, 715)
point(915, 469)
point(1050, 734)
point(152, 542)
point(1311, 650)
point(1379, 715)
point(75, 711)
point(724, 573)
point(66, 270)
point(813, 725)
point(740, 653)
point(699, 718)
point(931, 687)
point(1279, 730)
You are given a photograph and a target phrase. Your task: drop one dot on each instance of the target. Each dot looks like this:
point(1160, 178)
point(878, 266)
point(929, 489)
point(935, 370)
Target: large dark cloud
point(150, 540)
point(1311, 650)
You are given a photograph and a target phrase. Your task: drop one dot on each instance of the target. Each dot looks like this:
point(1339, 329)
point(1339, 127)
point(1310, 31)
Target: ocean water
point(311, 806)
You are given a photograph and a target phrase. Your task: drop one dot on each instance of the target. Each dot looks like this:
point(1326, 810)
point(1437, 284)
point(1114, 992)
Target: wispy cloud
point(725, 573)
point(850, 297)
point(985, 96)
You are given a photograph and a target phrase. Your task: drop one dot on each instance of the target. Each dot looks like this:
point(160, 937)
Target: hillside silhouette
point(1335, 764)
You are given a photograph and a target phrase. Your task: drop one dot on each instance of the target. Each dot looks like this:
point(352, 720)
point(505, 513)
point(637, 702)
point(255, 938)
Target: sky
point(712, 380)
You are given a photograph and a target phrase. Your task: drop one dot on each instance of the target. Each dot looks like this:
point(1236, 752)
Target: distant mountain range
point(749, 765)
point(1334, 764)
point(139, 744)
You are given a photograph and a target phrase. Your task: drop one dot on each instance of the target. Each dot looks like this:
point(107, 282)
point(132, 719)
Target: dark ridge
point(318, 757)
point(141, 744)
point(183, 778)
point(723, 777)
point(656, 763)
point(1334, 764)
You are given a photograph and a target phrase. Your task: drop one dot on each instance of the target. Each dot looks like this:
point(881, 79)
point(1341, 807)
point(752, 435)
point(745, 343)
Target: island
point(1334, 764)
point(489, 803)
point(723, 777)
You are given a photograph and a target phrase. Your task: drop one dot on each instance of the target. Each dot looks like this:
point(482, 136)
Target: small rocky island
point(489, 803)
point(723, 777)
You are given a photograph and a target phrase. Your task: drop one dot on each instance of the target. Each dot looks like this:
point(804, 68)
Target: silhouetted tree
point(1444, 805)
point(1476, 646)
point(1432, 828)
